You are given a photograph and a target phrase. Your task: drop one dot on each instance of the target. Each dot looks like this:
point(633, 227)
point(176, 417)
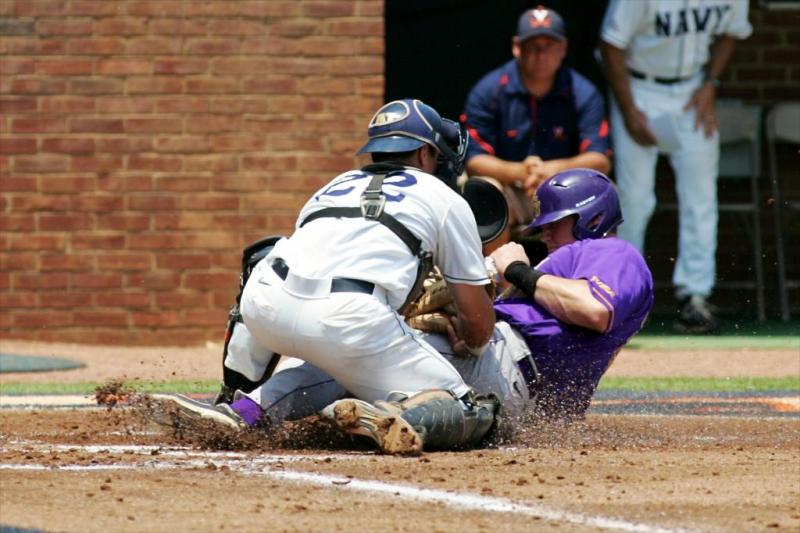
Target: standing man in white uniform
point(663, 59)
point(329, 295)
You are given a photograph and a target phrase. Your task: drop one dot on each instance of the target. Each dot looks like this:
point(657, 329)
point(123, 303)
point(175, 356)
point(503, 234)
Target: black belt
point(337, 284)
point(665, 81)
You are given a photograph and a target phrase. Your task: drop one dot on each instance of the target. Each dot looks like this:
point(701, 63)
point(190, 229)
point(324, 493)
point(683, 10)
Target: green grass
point(736, 333)
point(688, 384)
point(644, 341)
point(89, 387)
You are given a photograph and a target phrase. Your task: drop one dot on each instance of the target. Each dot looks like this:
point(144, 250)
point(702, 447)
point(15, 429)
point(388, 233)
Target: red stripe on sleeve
point(603, 129)
point(488, 148)
point(585, 145)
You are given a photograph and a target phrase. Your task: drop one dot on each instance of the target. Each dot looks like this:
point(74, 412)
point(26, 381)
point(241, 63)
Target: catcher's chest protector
point(372, 203)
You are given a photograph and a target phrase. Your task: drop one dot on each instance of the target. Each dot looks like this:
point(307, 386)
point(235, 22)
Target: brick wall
point(144, 143)
point(766, 67)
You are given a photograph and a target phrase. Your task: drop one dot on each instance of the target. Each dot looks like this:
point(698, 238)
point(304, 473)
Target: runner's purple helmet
point(583, 192)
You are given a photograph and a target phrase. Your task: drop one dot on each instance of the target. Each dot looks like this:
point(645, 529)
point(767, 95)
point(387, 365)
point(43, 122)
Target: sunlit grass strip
point(714, 342)
point(194, 386)
point(689, 384)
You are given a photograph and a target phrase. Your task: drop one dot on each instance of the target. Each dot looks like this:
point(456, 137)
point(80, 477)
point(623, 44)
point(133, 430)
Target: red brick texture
point(766, 67)
point(143, 144)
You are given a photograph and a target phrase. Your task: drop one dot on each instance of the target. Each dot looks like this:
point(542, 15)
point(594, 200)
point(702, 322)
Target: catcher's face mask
point(452, 143)
point(489, 207)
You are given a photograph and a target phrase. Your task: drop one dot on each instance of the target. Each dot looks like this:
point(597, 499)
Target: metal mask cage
point(452, 155)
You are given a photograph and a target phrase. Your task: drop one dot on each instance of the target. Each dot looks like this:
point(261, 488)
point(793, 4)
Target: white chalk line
point(272, 466)
point(466, 501)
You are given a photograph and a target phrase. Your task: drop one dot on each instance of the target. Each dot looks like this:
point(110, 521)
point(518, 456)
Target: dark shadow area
point(437, 49)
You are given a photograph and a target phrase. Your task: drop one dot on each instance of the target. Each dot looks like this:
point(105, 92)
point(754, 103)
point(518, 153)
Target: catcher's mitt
point(431, 312)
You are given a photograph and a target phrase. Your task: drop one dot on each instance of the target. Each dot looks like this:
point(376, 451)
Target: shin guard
point(446, 422)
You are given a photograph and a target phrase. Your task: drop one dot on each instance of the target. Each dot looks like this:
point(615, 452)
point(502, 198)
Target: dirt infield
point(82, 469)
point(101, 470)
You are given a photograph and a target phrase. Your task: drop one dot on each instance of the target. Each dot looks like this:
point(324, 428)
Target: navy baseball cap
point(541, 21)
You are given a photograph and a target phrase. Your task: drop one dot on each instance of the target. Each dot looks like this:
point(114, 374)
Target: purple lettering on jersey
point(572, 359)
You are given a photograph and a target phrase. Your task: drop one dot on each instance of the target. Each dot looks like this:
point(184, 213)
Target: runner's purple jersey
point(572, 359)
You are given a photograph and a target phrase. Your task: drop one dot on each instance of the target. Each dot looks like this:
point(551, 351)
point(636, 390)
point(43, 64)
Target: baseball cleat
point(696, 315)
point(385, 426)
point(221, 415)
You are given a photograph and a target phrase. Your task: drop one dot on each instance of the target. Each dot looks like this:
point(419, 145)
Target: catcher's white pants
point(695, 163)
point(357, 339)
point(496, 370)
point(299, 389)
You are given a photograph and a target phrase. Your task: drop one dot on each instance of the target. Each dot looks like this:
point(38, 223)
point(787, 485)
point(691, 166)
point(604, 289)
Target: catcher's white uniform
point(298, 389)
point(667, 43)
point(356, 338)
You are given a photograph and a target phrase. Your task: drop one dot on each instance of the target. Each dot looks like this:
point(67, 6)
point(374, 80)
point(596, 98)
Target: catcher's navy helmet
point(583, 192)
point(406, 125)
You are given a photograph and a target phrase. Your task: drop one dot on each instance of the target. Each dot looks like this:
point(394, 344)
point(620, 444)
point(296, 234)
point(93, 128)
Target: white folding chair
point(783, 126)
point(740, 158)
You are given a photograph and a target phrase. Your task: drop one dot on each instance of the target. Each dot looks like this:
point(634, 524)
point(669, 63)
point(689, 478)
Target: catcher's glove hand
point(430, 322)
point(433, 310)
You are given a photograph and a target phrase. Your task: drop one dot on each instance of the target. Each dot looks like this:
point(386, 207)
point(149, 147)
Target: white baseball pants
point(357, 339)
point(695, 163)
point(299, 389)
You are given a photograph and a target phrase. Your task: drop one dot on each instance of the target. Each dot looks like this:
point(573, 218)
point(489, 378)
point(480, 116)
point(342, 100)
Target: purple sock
point(249, 410)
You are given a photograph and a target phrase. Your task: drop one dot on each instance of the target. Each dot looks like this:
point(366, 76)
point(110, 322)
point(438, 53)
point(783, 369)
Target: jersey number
point(395, 179)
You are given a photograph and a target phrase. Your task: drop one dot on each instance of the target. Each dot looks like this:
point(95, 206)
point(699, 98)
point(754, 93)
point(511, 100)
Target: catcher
point(329, 295)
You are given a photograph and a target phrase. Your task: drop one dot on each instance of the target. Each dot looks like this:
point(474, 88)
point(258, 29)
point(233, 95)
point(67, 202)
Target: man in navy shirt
point(534, 117)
